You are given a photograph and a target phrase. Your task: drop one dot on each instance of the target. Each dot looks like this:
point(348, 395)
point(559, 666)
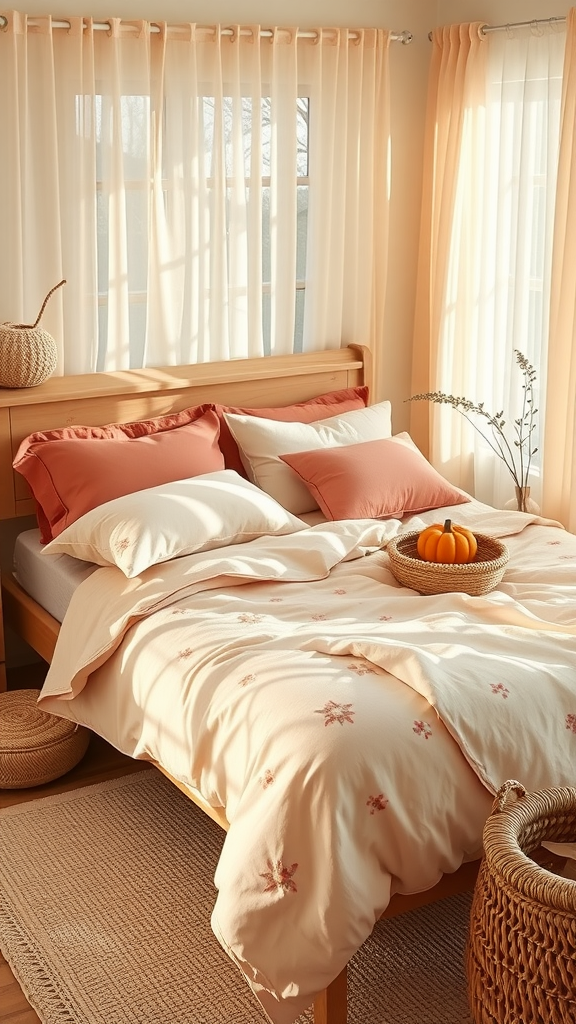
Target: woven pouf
point(35, 747)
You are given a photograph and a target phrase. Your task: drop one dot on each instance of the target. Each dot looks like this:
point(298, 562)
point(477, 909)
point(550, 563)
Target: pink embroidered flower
point(422, 729)
point(247, 679)
point(186, 653)
point(121, 545)
point(319, 617)
point(267, 779)
point(249, 618)
point(339, 590)
point(279, 877)
point(377, 803)
point(334, 712)
point(499, 688)
point(362, 670)
point(571, 722)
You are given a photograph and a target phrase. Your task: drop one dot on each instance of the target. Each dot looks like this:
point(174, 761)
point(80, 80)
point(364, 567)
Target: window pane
point(266, 257)
point(102, 336)
point(207, 118)
point(136, 228)
point(137, 239)
point(302, 231)
point(302, 130)
point(299, 324)
point(131, 121)
point(135, 130)
point(266, 322)
point(138, 316)
point(266, 136)
point(102, 220)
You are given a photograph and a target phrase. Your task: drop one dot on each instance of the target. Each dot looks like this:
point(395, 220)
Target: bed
point(441, 685)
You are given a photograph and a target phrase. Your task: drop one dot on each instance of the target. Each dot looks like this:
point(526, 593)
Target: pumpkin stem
point(448, 526)
point(51, 292)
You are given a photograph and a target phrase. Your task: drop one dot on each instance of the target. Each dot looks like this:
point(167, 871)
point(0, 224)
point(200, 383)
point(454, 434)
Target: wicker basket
point(35, 747)
point(28, 354)
point(476, 577)
point(521, 950)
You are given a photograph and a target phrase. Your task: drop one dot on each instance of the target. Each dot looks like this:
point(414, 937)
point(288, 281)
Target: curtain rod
point(551, 22)
point(523, 24)
point(404, 37)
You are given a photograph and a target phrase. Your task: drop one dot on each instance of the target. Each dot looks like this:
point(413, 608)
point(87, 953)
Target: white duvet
point(352, 730)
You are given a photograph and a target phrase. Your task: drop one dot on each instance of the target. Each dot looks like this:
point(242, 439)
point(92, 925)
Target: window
point(213, 194)
point(221, 124)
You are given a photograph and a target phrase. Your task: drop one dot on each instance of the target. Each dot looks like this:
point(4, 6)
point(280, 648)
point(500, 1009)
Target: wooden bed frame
point(122, 396)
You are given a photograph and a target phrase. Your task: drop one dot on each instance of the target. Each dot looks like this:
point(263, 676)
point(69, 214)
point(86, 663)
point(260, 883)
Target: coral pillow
point(383, 479)
point(330, 404)
point(75, 469)
point(262, 442)
point(139, 530)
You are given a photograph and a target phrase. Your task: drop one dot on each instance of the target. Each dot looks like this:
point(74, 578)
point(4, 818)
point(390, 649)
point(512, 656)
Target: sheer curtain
point(486, 249)
point(206, 193)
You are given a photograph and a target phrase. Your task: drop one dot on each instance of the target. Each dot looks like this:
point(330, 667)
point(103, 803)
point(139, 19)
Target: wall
point(498, 12)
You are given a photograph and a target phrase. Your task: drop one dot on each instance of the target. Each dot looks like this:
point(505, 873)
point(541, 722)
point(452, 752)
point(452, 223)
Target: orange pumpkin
point(447, 544)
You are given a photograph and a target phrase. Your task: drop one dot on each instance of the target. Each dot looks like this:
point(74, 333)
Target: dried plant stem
point(497, 448)
point(523, 427)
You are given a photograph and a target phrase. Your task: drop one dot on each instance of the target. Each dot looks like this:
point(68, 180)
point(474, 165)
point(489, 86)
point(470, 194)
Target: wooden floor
point(100, 762)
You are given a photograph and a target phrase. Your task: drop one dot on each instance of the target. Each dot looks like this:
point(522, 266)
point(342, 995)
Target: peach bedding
point(352, 730)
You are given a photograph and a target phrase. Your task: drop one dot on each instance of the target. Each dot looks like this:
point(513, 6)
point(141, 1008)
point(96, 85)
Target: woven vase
point(28, 353)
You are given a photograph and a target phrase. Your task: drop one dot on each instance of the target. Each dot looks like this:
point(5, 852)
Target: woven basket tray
point(521, 949)
point(476, 577)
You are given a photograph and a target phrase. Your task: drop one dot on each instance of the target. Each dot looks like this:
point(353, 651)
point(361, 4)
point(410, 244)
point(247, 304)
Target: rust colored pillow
point(74, 469)
point(384, 479)
point(332, 403)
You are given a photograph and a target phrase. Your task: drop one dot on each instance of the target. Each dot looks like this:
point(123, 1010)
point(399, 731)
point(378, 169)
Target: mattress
point(51, 581)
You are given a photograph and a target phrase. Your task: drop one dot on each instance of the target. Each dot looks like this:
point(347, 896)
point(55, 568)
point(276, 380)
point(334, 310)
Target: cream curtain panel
point(455, 89)
point(206, 194)
point(485, 268)
point(559, 462)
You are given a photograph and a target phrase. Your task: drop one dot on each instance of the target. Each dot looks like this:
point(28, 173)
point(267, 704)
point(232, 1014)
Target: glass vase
point(522, 502)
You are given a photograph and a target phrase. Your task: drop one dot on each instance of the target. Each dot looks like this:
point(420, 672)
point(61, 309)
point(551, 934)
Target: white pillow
point(261, 442)
point(139, 530)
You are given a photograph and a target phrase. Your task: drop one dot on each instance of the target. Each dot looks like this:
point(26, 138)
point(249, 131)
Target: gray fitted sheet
point(51, 581)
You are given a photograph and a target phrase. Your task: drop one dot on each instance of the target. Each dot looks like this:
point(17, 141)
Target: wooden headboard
point(121, 396)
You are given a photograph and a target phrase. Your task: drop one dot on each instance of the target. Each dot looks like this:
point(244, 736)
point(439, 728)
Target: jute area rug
point(105, 903)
